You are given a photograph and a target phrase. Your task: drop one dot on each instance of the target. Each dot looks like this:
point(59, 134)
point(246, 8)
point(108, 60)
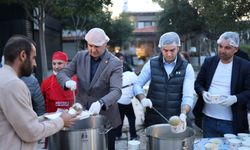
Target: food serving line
point(90, 133)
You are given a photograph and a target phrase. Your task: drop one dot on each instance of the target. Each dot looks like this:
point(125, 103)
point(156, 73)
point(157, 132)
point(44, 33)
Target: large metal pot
point(160, 137)
point(86, 134)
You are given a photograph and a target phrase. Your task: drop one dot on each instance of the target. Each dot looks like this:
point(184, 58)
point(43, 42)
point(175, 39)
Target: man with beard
point(20, 127)
point(55, 96)
point(227, 76)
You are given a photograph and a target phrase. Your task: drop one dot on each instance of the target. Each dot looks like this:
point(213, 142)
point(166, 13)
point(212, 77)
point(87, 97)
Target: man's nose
point(93, 49)
point(169, 53)
point(222, 49)
point(34, 65)
point(57, 66)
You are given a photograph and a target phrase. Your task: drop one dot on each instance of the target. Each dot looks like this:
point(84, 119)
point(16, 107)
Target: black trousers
point(111, 139)
point(129, 112)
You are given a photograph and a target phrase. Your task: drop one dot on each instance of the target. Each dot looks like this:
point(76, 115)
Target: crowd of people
point(103, 83)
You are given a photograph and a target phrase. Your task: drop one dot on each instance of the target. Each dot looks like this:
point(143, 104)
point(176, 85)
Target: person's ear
point(236, 50)
point(178, 48)
point(22, 55)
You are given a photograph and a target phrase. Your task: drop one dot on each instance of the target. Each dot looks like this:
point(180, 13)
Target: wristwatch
point(101, 102)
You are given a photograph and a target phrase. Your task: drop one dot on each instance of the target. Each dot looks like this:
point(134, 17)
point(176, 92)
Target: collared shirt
point(188, 85)
point(94, 65)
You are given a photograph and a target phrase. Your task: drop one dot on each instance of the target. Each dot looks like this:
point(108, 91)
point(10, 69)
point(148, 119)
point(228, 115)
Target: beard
point(224, 57)
point(26, 68)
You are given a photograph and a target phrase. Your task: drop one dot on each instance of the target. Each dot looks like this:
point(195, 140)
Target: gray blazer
point(106, 83)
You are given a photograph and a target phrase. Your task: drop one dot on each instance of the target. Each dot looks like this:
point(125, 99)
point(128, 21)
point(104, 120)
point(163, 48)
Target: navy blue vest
point(165, 91)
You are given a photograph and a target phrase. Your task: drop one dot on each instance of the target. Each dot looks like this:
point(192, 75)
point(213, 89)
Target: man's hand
point(71, 84)
point(206, 97)
point(68, 119)
point(146, 102)
point(228, 101)
point(183, 118)
point(181, 126)
point(95, 108)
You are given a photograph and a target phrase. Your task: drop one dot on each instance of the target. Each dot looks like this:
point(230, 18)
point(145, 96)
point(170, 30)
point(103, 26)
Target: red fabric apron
point(55, 96)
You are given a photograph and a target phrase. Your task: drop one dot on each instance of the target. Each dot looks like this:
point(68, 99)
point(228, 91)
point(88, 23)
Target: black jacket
point(240, 86)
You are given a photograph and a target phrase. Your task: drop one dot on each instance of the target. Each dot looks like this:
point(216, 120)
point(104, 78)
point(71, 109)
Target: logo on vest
point(178, 72)
point(62, 103)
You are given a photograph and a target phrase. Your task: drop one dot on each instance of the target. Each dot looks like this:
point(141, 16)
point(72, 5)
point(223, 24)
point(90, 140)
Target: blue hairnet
point(232, 37)
point(169, 38)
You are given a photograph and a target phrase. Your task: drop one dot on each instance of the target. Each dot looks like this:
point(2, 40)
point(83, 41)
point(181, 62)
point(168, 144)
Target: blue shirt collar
point(166, 63)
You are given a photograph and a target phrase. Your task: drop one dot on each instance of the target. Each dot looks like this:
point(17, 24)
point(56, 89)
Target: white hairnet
point(169, 38)
point(96, 36)
point(232, 37)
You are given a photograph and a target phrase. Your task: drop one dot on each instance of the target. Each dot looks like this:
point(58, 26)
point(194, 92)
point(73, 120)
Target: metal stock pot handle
point(105, 130)
point(185, 144)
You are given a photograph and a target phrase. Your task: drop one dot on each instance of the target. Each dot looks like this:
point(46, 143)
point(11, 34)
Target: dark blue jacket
point(36, 94)
point(240, 86)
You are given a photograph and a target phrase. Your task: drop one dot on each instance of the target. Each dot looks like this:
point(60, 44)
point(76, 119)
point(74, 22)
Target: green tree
point(36, 11)
point(179, 16)
point(80, 15)
point(76, 9)
point(120, 31)
point(222, 15)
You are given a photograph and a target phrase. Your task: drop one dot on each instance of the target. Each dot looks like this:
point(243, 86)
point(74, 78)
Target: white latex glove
point(206, 97)
point(230, 100)
point(182, 126)
point(95, 108)
point(183, 118)
point(71, 85)
point(146, 102)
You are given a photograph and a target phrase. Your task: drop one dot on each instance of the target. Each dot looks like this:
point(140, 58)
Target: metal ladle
point(160, 114)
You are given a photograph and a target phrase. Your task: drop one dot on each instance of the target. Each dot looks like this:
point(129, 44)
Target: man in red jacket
point(55, 96)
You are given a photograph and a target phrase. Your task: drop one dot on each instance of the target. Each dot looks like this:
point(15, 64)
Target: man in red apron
point(55, 96)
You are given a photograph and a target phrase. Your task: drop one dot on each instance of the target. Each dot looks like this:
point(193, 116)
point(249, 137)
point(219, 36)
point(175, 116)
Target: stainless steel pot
point(160, 137)
point(86, 134)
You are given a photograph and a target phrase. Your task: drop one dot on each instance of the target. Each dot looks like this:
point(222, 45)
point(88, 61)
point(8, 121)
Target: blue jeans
point(213, 127)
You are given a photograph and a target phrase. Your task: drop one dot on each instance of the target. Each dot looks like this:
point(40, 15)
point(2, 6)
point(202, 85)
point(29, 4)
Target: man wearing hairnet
point(99, 75)
point(172, 83)
point(223, 87)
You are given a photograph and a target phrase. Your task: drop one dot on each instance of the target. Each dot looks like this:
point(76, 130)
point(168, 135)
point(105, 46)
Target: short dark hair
point(119, 55)
point(15, 45)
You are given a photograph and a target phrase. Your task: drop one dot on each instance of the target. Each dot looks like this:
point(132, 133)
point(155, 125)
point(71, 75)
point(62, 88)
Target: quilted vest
point(165, 91)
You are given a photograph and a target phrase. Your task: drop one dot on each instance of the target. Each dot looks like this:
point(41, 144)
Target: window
point(143, 24)
point(140, 24)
